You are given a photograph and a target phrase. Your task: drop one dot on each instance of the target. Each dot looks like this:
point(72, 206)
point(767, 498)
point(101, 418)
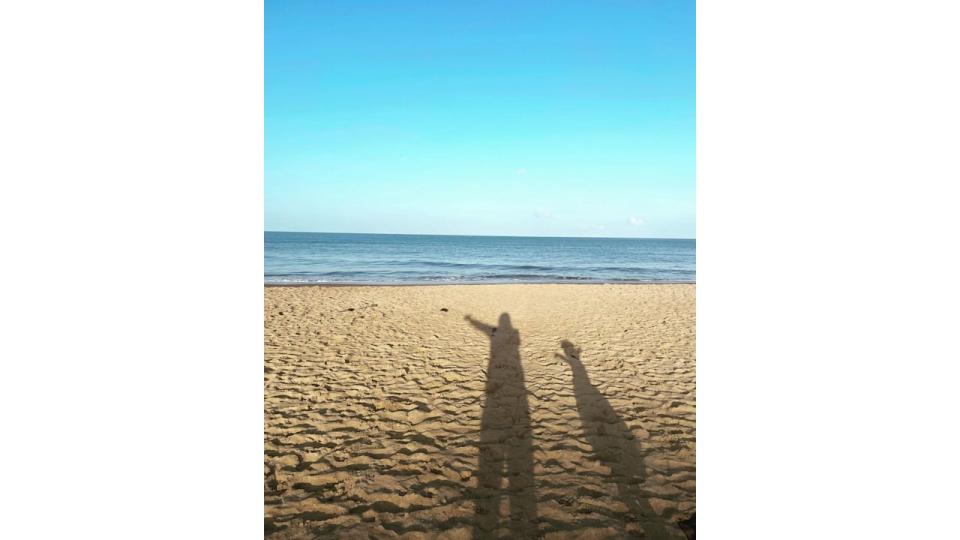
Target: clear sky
point(490, 118)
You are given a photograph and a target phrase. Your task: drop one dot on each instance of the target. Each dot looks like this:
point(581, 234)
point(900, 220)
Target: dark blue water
point(401, 258)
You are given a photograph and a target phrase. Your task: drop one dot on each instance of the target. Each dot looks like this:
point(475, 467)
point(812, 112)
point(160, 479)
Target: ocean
point(292, 257)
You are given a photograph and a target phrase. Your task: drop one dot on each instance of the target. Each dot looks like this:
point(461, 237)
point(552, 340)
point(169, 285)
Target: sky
point(488, 118)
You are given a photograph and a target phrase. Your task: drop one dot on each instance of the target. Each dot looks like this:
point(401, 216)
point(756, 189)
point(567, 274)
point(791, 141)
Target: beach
point(479, 411)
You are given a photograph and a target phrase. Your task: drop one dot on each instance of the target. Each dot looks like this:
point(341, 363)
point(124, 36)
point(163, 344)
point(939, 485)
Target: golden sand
point(479, 411)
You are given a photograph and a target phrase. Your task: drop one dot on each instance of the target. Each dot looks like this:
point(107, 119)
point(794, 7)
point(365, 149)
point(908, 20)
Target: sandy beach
point(479, 411)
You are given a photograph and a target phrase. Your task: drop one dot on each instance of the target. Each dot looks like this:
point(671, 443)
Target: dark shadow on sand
point(616, 447)
point(505, 466)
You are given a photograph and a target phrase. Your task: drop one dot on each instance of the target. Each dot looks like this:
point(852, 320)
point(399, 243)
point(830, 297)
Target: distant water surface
point(406, 258)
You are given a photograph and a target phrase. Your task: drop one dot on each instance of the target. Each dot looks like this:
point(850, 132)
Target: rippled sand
point(552, 411)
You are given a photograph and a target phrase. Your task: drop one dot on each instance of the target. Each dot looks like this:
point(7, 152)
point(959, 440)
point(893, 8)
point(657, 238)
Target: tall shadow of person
point(505, 466)
point(614, 445)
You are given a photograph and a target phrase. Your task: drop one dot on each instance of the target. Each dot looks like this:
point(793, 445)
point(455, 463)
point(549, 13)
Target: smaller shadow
point(616, 447)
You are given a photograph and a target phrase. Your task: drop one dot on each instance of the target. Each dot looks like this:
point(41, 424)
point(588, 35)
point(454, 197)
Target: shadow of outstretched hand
point(571, 352)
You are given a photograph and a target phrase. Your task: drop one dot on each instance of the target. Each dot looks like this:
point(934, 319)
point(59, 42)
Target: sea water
point(291, 257)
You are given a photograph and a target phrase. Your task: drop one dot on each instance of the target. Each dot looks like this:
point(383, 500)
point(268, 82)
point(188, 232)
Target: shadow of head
point(504, 322)
point(571, 352)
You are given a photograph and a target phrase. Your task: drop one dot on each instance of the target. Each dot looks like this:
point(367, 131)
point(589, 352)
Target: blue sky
point(498, 118)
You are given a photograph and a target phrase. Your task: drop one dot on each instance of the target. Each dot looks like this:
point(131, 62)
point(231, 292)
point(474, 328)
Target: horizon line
point(490, 235)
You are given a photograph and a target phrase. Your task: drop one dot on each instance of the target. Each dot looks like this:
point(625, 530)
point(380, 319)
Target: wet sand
point(482, 411)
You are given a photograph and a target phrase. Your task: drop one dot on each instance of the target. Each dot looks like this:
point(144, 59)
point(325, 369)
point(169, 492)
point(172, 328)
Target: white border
point(132, 212)
point(827, 362)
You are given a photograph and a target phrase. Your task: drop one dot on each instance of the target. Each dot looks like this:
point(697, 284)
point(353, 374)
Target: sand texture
point(479, 411)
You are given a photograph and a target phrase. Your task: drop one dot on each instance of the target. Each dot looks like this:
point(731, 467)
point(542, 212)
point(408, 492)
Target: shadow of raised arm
point(571, 353)
point(478, 325)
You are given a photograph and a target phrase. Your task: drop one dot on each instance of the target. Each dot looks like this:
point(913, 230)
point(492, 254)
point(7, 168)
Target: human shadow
point(615, 446)
point(505, 465)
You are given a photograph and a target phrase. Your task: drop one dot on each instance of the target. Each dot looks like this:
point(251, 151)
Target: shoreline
point(458, 283)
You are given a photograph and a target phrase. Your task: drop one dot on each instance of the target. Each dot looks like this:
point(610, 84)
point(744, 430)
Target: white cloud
point(521, 171)
point(543, 213)
point(636, 222)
